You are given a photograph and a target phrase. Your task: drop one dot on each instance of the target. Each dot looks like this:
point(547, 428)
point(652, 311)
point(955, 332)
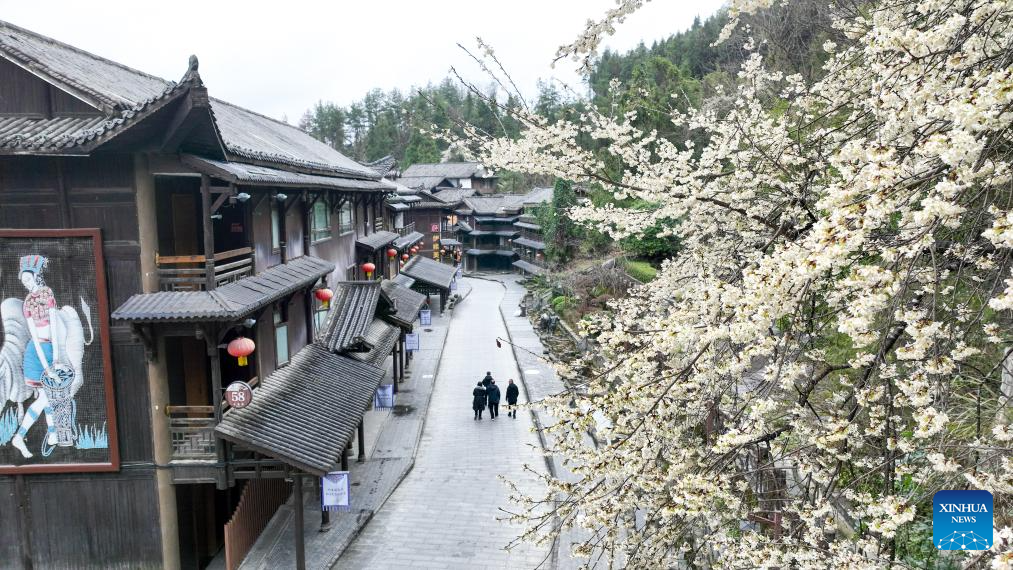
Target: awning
point(495, 219)
point(408, 240)
point(501, 252)
point(500, 233)
point(253, 175)
point(463, 226)
point(528, 267)
point(229, 302)
point(530, 243)
point(430, 272)
point(352, 309)
point(528, 226)
point(407, 304)
point(381, 337)
point(398, 207)
point(403, 280)
point(450, 242)
point(376, 240)
point(305, 413)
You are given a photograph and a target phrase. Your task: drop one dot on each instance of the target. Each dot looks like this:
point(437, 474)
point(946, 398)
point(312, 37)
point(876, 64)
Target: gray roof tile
point(229, 302)
point(381, 337)
point(306, 412)
point(407, 303)
point(351, 311)
point(428, 271)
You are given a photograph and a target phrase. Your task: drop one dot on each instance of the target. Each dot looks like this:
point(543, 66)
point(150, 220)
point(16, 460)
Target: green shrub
point(641, 270)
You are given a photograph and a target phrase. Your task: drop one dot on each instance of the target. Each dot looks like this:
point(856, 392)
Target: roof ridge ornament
point(192, 75)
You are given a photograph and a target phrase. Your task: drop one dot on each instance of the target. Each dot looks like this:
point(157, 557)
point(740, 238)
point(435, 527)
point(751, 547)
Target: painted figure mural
point(53, 405)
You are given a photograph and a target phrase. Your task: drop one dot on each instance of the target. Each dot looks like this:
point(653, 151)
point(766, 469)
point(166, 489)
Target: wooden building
point(529, 245)
point(434, 176)
point(201, 222)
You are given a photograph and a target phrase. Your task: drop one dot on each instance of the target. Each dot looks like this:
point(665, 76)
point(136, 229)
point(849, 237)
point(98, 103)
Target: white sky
point(279, 58)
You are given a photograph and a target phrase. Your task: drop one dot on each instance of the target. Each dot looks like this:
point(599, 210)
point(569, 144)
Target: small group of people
point(487, 394)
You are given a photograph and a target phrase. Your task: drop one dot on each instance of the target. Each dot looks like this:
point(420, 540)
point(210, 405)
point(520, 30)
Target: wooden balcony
point(191, 272)
point(407, 229)
point(192, 433)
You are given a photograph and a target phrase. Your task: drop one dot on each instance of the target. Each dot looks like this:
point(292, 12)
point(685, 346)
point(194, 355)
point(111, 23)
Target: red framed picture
point(57, 407)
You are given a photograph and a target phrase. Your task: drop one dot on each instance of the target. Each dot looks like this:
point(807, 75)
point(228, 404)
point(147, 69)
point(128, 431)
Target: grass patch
point(641, 270)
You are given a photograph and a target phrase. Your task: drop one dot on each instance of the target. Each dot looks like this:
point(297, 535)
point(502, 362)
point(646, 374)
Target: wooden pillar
point(300, 540)
point(400, 354)
point(209, 232)
point(344, 458)
point(362, 442)
point(211, 340)
point(282, 227)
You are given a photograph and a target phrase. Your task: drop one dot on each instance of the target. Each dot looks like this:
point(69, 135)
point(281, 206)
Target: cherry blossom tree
point(832, 344)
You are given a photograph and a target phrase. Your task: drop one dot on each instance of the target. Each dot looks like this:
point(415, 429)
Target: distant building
point(487, 228)
point(529, 245)
point(434, 177)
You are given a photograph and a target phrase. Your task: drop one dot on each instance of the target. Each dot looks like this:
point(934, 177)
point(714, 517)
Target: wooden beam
point(209, 233)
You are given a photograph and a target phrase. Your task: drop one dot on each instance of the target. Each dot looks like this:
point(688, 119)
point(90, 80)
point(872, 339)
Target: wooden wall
point(86, 520)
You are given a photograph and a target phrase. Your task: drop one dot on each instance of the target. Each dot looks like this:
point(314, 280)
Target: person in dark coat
point(511, 395)
point(493, 395)
point(487, 380)
point(478, 400)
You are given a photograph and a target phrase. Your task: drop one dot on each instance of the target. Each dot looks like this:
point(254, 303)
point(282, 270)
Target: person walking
point(478, 400)
point(511, 396)
point(493, 396)
point(487, 380)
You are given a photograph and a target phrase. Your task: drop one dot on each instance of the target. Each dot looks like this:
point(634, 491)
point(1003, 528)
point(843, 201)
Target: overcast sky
point(279, 58)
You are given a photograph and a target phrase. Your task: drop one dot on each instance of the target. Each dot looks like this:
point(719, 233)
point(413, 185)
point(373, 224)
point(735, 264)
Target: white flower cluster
point(827, 350)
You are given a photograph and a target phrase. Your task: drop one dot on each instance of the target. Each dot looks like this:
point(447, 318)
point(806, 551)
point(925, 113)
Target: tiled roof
point(253, 175)
point(490, 205)
point(306, 412)
point(530, 243)
point(229, 302)
point(428, 271)
point(464, 226)
point(376, 240)
point(421, 182)
point(123, 95)
point(538, 195)
point(500, 252)
point(449, 242)
point(445, 170)
point(398, 207)
point(451, 196)
point(381, 337)
point(352, 309)
point(406, 302)
point(403, 280)
point(408, 240)
point(503, 233)
point(495, 219)
point(528, 226)
point(528, 267)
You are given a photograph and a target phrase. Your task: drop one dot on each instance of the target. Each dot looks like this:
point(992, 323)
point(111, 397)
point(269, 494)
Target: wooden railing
point(192, 432)
point(258, 503)
point(409, 228)
point(190, 272)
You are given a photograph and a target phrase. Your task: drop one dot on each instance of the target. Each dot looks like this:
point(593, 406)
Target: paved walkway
point(444, 514)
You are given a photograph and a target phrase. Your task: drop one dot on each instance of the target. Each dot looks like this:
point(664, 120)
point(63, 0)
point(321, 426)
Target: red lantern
point(414, 250)
point(392, 253)
point(404, 256)
point(324, 295)
point(369, 268)
point(241, 347)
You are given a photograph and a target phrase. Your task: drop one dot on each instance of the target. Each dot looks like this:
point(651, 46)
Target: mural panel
point(57, 410)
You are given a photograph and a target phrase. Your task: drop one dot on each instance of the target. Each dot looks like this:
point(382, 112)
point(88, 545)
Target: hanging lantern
point(324, 295)
point(414, 250)
point(241, 347)
point(392, 253)
point(404, 258)
point(369, 268)
point(443, 251)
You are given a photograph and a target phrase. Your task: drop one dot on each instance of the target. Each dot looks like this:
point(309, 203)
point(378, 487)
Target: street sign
point(383, 399)
point(335, 493)
point(426, 317)
point(411, 341)
point(239, 395)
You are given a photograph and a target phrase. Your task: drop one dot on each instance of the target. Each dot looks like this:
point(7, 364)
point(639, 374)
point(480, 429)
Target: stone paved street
point(444, 514)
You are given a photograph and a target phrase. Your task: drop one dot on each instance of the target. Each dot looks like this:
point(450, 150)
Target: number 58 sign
point(238, 395)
